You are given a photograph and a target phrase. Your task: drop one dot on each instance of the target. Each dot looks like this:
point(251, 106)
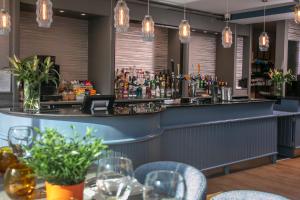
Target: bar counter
point(205, 135)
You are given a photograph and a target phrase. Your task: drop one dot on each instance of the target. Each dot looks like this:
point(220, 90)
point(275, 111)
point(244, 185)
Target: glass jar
point(19, 182)
point(7, 158)
point(278, 89)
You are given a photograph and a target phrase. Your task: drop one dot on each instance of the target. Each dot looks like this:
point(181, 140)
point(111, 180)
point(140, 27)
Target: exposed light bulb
point(44, 13)
point(5, 23)
point(121, 16)
point(264, 42)
point(227, 33)
point(227, 37)
point(184, 31)
point(148, 28)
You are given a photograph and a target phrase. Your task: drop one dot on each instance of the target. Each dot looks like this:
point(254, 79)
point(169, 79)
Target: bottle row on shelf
point(132, 82)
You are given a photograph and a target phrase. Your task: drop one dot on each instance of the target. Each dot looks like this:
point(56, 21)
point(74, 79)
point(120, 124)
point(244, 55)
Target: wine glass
point(19, 180)
point(114, 177)
point(19, 136)
point(164, 185)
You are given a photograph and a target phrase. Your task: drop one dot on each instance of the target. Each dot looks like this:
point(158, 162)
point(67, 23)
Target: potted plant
point(63, 162)
point(32, 72)
point(279, 78)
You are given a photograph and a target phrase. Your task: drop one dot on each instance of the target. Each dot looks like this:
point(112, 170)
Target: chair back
point(195, 181)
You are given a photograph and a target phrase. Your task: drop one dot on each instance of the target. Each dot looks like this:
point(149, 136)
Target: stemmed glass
point(114, 177)
point(19, 180)
point(164, 185)
point(19, 136)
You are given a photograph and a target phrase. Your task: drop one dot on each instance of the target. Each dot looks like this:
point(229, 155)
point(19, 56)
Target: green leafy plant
point(60, 160)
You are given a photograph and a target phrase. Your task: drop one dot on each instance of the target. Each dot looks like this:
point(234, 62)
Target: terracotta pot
point(64, 192)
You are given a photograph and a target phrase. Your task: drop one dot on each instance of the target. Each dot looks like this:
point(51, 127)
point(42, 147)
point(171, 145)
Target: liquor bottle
point(162, 84)
point(178, 82)
point(157, 88)
point(144, 91)
point(139, 91)
point(168, 86)
point(173, 80)
point(116, 82)
point(147, 86)
point(153, 86)
point(125, 87)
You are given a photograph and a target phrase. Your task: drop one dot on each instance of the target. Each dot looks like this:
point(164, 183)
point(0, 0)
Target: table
point(247, 195)
point(41, 195)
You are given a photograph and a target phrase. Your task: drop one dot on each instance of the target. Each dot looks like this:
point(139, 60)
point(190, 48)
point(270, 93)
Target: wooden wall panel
point(298, 59)
point(131, 50)
point(293, 31)
point(239, 61)
point(67, 39)
point(4, 53)
point(202, 51)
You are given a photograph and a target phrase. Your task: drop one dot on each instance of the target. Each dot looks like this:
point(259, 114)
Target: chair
point(195, 180)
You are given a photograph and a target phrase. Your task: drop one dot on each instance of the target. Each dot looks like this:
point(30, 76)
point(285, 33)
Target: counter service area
point(106, 99)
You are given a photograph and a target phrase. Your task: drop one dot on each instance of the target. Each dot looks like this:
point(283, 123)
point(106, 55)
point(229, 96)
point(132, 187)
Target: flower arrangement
point(278, 78)
point(32, 72)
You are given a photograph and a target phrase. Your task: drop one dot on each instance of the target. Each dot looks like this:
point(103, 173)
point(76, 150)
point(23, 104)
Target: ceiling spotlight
point(83, 14)
point(205, 31)
point(61, 11)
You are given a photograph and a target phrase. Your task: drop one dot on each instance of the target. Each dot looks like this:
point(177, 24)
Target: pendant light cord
point(264, 16)
point(227, 9)
point(227, 12)
point(184, 12)
point(148, 7)
point(3, 4)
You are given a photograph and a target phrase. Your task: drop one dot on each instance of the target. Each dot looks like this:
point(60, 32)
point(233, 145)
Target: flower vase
point(278, 89)
point(32, 96)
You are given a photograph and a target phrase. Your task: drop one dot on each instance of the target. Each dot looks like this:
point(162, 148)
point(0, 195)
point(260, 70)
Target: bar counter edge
point(206, 137)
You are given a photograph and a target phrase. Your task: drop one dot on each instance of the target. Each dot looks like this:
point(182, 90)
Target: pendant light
point(44, 13)
point(227, 33)
point(5, 24)
point(264, 42)
point(148, 27)
point(121, 16)
point(297, 12)
point(184, 29)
